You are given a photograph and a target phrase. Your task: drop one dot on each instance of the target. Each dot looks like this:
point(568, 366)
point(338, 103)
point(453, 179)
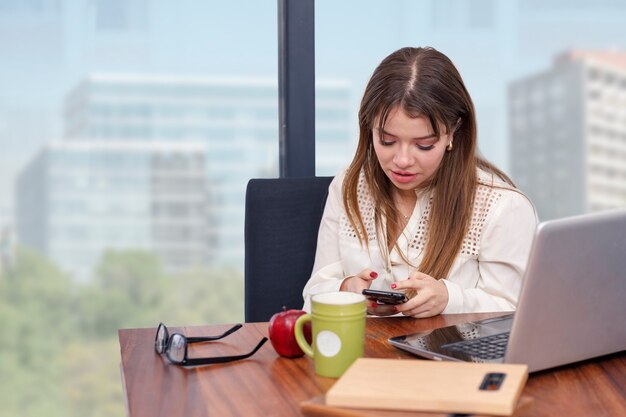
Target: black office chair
point(282, 220)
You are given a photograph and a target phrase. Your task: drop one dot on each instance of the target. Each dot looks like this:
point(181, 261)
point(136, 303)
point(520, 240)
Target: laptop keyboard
point(488, 347)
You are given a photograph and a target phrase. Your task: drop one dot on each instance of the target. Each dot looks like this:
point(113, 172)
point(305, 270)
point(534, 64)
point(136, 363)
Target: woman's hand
point(431, 296)
point(362, 281)
point(359, 282)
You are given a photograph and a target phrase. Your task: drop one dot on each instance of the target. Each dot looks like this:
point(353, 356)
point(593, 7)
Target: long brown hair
point(421, 82)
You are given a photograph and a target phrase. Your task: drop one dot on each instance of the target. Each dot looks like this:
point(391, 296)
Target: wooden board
point(451, 387)
point(317, 407)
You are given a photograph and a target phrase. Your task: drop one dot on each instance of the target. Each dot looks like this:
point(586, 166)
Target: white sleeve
point(504, 248)
point(327, 269)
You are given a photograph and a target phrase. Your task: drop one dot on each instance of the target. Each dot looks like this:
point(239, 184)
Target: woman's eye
point(426, 144)
point(386, 142)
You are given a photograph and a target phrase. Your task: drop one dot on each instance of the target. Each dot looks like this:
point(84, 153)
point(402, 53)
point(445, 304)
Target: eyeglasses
point(175, 347)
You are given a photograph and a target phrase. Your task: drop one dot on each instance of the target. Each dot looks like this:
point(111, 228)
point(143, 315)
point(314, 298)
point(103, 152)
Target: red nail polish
point(373, 274)
point(395, 309)
point(393, 286)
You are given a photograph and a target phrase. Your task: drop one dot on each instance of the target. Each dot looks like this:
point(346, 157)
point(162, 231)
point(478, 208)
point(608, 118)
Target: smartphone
point(385, 297)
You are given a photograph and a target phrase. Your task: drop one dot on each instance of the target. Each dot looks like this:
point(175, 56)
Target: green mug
point(338, 322)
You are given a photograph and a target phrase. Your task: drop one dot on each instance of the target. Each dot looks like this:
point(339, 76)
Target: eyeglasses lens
point(177, 347)
point(161, 339)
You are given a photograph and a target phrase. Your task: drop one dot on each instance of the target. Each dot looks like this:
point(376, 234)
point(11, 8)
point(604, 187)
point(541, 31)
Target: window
point(113, 180)
point(525, 81)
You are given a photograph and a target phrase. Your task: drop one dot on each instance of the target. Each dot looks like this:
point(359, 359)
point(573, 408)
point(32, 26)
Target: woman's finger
point(368, 275)
point(408, 283)
point(419, 275)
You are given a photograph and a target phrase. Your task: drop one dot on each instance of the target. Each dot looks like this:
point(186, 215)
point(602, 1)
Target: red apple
point(282, 336)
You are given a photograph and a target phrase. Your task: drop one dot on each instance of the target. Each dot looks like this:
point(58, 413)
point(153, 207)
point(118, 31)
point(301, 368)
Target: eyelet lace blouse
point(486, 274)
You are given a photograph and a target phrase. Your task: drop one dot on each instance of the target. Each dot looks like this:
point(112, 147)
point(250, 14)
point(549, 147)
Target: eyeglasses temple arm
point(223, 359)
point(210, 338)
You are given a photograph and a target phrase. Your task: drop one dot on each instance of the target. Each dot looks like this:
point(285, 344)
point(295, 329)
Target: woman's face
point(408, 150)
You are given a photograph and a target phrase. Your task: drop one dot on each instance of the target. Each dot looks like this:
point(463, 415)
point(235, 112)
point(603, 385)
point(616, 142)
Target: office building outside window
point(75, 200)
point(568, 136)
point(236, 120)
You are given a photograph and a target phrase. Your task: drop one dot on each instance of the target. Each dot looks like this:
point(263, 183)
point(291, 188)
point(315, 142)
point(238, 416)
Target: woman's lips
point(403, 177)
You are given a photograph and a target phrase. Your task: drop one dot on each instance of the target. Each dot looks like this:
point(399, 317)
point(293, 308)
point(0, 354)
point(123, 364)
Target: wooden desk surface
point(268, 385)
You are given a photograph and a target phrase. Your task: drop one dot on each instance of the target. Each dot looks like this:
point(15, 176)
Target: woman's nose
point(403, 158)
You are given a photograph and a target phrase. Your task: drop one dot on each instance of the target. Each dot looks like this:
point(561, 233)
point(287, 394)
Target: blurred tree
point(60, 345)
point(36, 313)
point(204, 296)
point(127, 288)
point(137, 273)
point(93, 382)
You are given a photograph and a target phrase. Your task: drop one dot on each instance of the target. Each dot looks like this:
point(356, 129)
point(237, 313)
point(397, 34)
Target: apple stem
point(284, 308)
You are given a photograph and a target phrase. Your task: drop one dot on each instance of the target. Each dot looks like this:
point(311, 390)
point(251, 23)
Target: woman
point(418, 210)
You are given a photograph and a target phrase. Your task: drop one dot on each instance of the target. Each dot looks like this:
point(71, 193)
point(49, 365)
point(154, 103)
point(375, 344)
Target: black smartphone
point(385, 297)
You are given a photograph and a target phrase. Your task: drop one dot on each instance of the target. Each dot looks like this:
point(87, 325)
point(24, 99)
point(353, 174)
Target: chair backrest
point(282, 220)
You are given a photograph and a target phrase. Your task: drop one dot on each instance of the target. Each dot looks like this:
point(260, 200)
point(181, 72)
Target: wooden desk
point(268, 385)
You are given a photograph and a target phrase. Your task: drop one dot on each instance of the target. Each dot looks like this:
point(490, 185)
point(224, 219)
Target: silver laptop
point(572, 305)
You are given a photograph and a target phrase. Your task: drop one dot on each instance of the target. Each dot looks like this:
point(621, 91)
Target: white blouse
point(486, 274)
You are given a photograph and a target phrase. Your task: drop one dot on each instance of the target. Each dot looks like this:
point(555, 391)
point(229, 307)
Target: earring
point(449, 147)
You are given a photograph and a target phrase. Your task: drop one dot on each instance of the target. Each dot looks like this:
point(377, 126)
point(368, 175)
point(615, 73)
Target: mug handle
point(300, 339)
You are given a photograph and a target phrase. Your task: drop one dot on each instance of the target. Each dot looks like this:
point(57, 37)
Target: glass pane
point(547, 79)
point(128, 129)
